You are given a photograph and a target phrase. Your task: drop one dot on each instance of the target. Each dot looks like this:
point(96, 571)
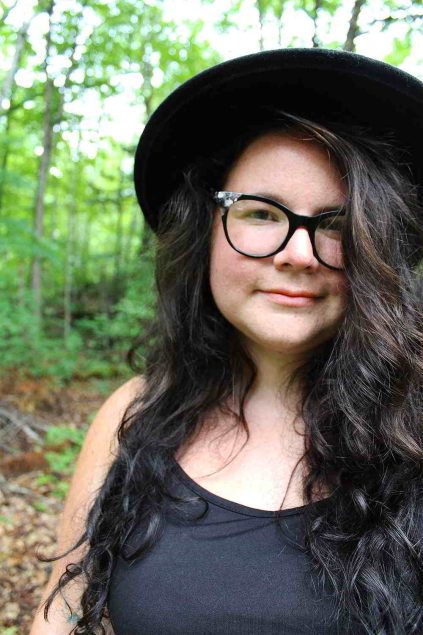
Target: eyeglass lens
point(257, 228)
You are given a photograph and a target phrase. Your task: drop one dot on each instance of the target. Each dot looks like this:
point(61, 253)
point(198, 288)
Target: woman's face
point(300, 175)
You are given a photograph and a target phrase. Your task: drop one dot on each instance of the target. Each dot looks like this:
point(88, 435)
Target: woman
point(266, 475)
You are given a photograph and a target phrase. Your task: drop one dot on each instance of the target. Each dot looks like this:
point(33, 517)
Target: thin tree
point(6, 88)
point(43, 172)
point(278, 11)
point(315, 16)
point(261, 9)
point(7, 93)
point(70, 244)
point(53, 115)
point(118, 282)
point(353, 28)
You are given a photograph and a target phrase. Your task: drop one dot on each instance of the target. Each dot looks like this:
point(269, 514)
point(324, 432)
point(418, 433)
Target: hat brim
point(217, 104)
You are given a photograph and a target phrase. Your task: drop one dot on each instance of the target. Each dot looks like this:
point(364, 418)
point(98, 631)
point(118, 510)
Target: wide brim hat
point(215, 106)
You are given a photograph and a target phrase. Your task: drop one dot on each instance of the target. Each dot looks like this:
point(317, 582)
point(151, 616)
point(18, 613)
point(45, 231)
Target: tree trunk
point(315, 39)
point(70, 247)
point(261, 16)
point(4, 160)
point(278, 15)
point(21, 285)
point(84, 240)
point(353, 30)
point(36, 283)
point(40, 197)
point(147, 71)
point(117, 274)
point(67, 290)
point(6, 89)
point(50, 119)
point(6, 95)
point(132, 233)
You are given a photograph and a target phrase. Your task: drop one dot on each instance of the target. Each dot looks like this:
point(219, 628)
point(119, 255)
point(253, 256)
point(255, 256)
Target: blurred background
point(78, 80)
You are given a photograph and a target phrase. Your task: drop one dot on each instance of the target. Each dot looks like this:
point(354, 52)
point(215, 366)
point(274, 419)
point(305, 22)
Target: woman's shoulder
point(100, 442)
point(118, 401)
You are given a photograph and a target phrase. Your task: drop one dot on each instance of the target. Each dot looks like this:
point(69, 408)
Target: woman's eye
point(262, 214)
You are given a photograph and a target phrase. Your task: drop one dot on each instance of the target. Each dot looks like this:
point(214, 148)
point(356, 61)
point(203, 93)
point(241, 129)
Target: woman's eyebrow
point(278, 199)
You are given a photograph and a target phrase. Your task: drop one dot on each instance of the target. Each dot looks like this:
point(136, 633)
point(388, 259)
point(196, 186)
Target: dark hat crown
point(220, 102)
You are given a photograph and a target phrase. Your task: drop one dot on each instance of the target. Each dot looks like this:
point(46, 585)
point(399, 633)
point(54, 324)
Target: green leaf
point(45, 479)
point(401, 49)
point(5, 520)
point(60, 490)
point(39, 506)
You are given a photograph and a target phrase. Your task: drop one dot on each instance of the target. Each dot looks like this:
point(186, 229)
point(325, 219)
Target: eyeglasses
point(260, 227)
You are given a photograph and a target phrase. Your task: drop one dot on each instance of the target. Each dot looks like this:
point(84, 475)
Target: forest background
point(78, 81)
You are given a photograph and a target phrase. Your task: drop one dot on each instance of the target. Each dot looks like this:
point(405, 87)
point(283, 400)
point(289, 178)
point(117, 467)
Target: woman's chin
point(292, 345)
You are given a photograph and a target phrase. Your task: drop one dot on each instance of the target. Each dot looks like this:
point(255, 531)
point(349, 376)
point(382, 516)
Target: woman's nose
point(297, 253)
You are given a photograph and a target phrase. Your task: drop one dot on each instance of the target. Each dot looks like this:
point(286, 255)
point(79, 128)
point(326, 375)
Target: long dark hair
point(361, 404)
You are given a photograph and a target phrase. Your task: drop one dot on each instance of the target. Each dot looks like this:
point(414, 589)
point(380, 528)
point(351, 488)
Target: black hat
point(218, 103)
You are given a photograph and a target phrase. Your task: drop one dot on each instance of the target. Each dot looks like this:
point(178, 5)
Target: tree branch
point(315, 40)
point(353, 30)
point(6, 12)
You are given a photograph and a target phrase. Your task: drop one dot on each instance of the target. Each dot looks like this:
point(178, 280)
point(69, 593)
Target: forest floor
point(29, 507)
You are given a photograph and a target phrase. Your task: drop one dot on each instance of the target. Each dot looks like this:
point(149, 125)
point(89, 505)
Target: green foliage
point(109, 65)
point(61, 461)
point(38, 354)
point(229, 19)
point(56, 435)
point(117, 329)
point(5, 520)
point(401, 48)
point(39, 506)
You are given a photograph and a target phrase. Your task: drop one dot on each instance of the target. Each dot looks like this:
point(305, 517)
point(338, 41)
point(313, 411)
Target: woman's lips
point(290, 300)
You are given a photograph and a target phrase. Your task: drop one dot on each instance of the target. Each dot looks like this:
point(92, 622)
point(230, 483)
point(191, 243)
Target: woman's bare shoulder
point(116, 404)
point(94, 460)
point(101, 443)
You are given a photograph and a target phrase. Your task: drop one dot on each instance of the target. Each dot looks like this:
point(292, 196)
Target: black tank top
point(233, 571)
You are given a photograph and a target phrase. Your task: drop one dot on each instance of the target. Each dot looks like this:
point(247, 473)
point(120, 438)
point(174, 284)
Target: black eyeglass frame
point(310, 223)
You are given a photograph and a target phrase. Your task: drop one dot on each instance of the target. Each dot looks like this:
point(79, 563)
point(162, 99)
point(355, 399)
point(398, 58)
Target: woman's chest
point(223, 572)
point(256, 475)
